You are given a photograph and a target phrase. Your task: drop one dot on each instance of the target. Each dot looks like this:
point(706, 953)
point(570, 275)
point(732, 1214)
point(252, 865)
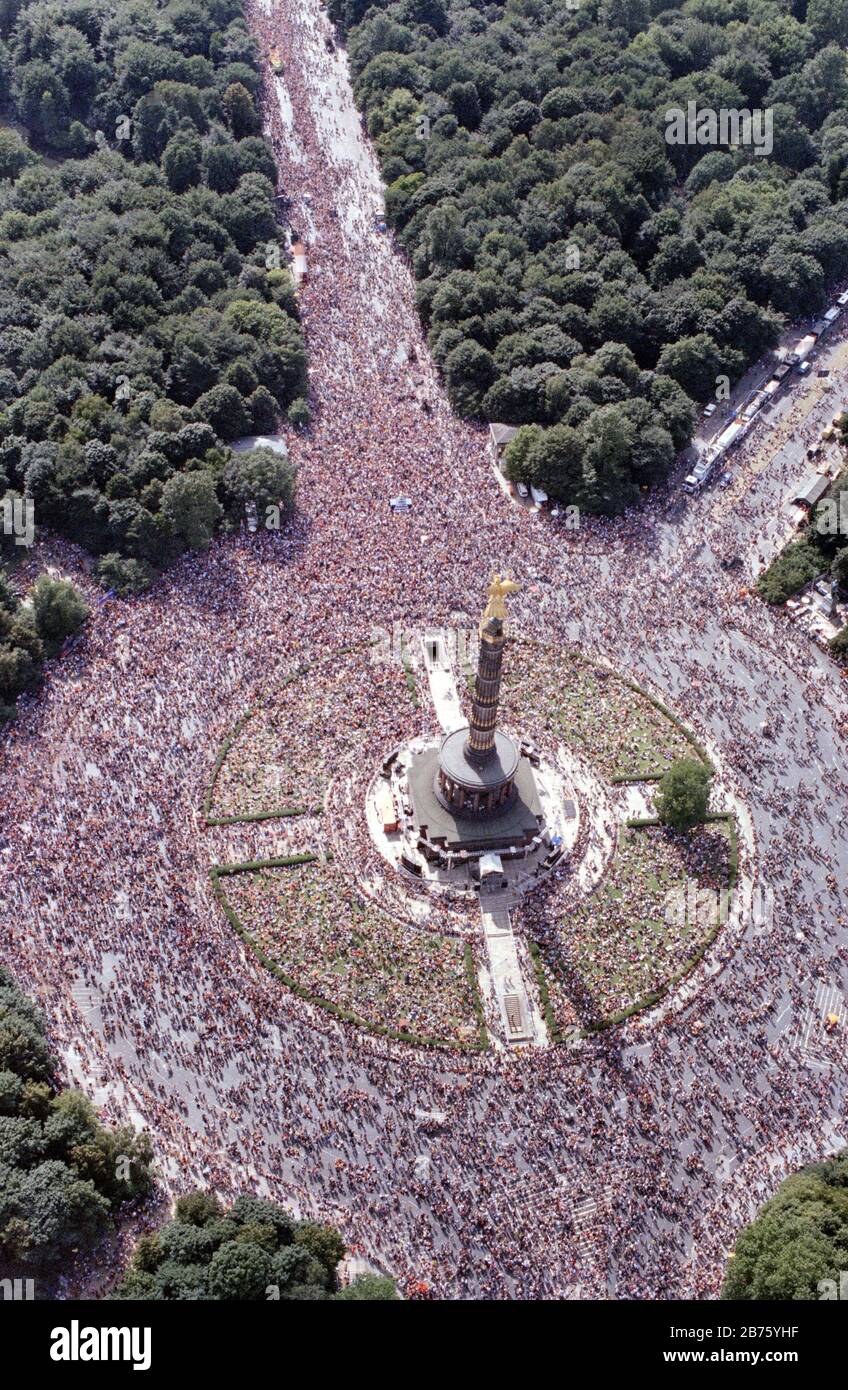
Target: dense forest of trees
point(797, 1246)
point(256, 1251)
point(146, 315)
point(579, 275)
point(62, 1173)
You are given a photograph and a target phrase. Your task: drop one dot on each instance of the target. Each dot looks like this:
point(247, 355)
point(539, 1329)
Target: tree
point(111, 325)
point(198, 1208)
point(191, 508)
point(828, 20)
point(694, 363)
point(373, 1288)
point(464, 101)
point(796, 280)
point(8, 597)
point(256, 1250)
point(61, 1176)
point(240, 1272)
point(796, 565)
point(181, 161)
point(838, 569)
point(222, 167)
point(839, 644)
point(15, 154)
point(261, 476)
point(469, 372)
point(124, 576)
point(242, 116)
point(42, 101)
point(58, 1212)
point(556, 462)
point(60, 610)
point(323, 1242)
point(516, 456)
point(794, 1249)
point(298, 412)
point(224, 409)
point(684, 794)
point(445, 237)
point(21, 655)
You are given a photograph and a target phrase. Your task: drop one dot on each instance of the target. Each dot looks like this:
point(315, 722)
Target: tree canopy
point(683, 798)
point(32, 630)
point(821, 548)
point(63, 1174)
point(146, 318)
point(797, 1245)
point(576, 271)
point(254, 1251)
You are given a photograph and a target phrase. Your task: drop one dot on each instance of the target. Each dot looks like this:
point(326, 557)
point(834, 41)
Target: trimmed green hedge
point(409, 675)
point(471, 974)
point(544, 994)
point(287, 812)
point(631, 778)
point(250, 866)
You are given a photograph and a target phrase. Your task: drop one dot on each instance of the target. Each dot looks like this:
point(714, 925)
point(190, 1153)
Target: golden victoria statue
point(498, 590)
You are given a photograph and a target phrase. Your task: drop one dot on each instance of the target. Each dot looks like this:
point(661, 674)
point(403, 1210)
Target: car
point(803, 369)
point(710, 410)
point(725, 480)
point(523, 490)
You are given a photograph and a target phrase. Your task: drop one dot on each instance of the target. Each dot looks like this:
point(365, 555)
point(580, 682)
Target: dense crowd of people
point(607, 951)
point(310, 922)
point(623, 1165)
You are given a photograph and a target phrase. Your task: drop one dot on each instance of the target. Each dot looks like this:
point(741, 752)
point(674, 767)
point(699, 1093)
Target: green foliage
point(261, 476)
point(123, 576)
point(60, 610)
point(797, 1240)
point(683, 797)
point(576, 271)
point(371, 1288)
point(256, 1251)
point(298, 412)
point(63, 1172)
point(21, 649)
point(191, 508)
point(136, 219)
point(839, 644)
point(794, 567)
point(822, 546)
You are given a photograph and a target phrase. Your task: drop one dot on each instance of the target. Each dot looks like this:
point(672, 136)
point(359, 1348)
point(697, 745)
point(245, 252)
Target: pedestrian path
point(521, 1020)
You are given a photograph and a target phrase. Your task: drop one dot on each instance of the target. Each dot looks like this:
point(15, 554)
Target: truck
point(699, 476)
